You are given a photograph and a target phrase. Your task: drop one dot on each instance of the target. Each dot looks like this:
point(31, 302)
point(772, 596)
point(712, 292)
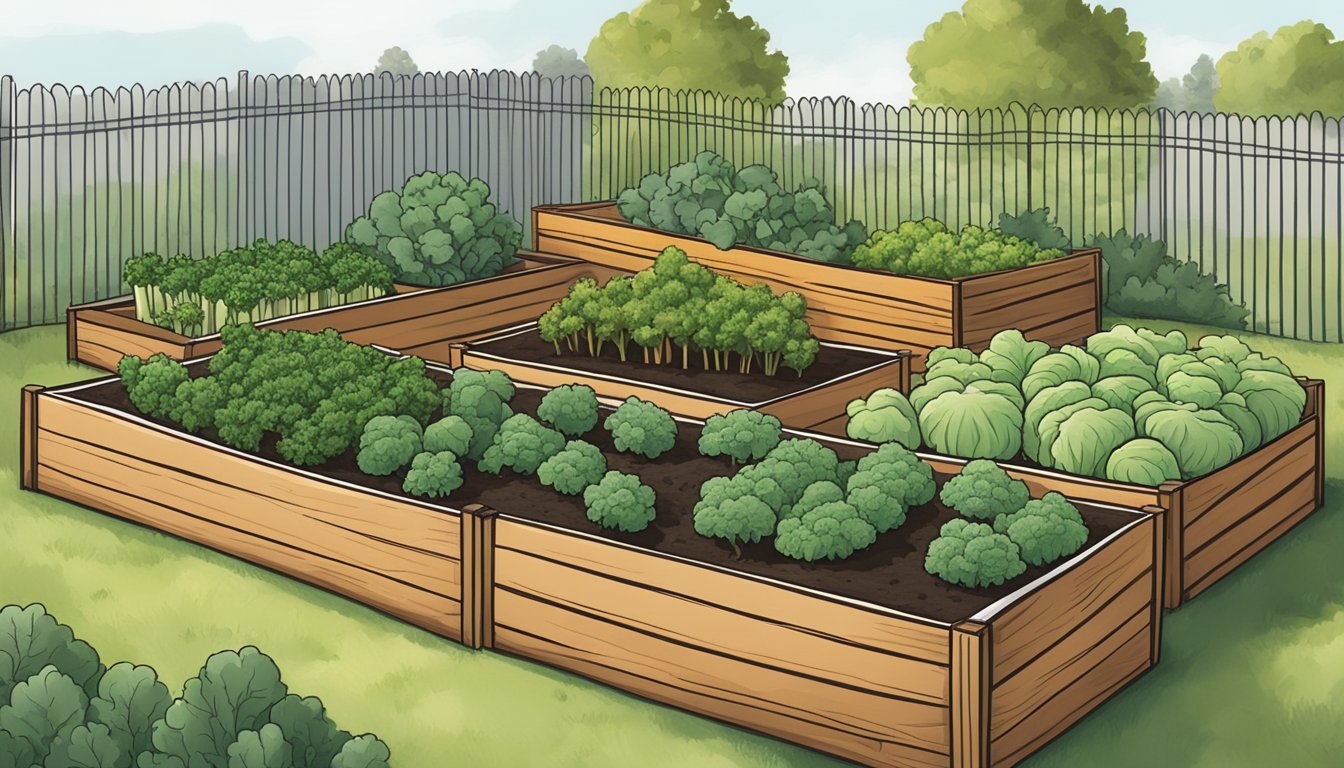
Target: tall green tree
point(1056, 53)
point(395, 61)
point(1297, 70)
point(688, 45)
point(558, 61)
point(1192, 93)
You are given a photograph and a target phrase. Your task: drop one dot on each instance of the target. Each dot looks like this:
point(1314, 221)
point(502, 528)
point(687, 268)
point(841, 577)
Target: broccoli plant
point(481, 399)
point(638, 426)
point(437, 229)
point(816, 494)
point(451, 433)
point(573, 469)
point(973, 555)
point(571, 408)
point(930, 249)
point(522, 444)
point(741, 435)
point(983, 491)
point(433, 474)
point(1045, 529)
point(830, 531)
point(387, 444)
point(737, 509)
point(887, 483)
point(620, 501)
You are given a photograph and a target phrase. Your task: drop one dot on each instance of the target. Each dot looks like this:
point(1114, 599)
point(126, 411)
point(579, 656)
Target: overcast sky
point(854, 47)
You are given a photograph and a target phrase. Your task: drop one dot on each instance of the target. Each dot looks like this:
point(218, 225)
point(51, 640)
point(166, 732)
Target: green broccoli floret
point(571, 408)
point(433, 474)
point(887, 483)
point(575, 468)
point(152, 386)
point(983, 491)
point(495, 381)
point(642, 427)
point(522, 444)
point(737, 509)
point(1045, 529)
point(816, 494)
point(793, 465)
point(620, 501)
point(451, 433)
point(387, 444)
point(831, 531)
point(481, 399)
point(973, 555)
point(742, 435)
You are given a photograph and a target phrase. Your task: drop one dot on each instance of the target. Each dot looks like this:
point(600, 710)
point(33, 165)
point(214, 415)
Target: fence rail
point(90, 178)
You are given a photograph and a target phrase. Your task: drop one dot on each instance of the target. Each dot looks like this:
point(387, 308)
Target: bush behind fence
point(90, 178)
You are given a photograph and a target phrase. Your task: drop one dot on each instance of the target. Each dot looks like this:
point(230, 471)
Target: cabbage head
point(1121, 391)
point(1088, 437)
point(1122, 362)
point(1011, 356)
point(886, 416)
point(1184, 387)
point(1229, 348)
point(1051, 422)
point(962, 372)
point(1070, 363)
point(1233, 407)
point(974, 424)
point(1277, 400)
point(1046, 401)
point(960, 354)
point(1122, 337)
point(1142, 461)
point(1201, 440)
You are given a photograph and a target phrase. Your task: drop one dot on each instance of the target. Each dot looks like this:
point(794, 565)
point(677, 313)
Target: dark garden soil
point(753, 387)
point(889, 573)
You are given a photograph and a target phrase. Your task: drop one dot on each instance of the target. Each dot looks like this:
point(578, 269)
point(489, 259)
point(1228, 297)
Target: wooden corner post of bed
point(970, 694)
point(28, 437)
point(478, 576)
point(1172, 499)
point(1160, 565)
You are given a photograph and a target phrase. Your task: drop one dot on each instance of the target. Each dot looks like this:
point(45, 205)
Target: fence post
point(970, 671)
point(478, 576)
point(242, 163)
point(8, 241)
point(1030, 163)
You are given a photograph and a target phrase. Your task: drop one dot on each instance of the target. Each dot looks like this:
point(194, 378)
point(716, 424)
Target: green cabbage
point(1122, 362)
point(1169, 364)
point(960, 354)
point(962, 372)
point(925, 393)
point(1087, 438)
point(1233, 407)
point(1184, 387)
point(1070, 363)
point(1121, 391)
point(1201, 440)
point(1125, 338)
point(886, 416)
point(1011, 356)
point(1276, 399)
point(1142, 461)
point(1229, 348)
point(973, 424)
point(1048, 400)
point(1050, 424)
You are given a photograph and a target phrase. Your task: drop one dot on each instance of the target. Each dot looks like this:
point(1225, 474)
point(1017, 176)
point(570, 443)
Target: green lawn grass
point(1252, 672)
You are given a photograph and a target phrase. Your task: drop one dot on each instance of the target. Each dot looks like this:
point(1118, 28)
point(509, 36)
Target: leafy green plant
point(884, 416)
point(1036, 226)
point(983, 491)
point(638, 426)
point(927, 248)
point(980, 420)
point(972, 555)
point(1142, 280)
point(438, 229)
point(481, 399)
point(388, 443)
point(741, 435)
point(708, 197)
point(887, 483)
point(791, 467)
point(573, 469)
point(570, 408)
point(433, 474)
point(1044, 529)
point(521, 444)
point(737, 509)
point(620, 501)
point(451, 433)
point(830, 531)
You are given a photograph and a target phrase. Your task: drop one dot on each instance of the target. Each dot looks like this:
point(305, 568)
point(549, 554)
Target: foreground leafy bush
point(1045, 529)
point(638, 426)
point(250, 284)
point(570, 408)
point(387, 444)
point(620, 501)
point(983, 491)
point(973, 555)
point(741, 435)
point(316, 390)
point(60, 708)
point(830, 531)
point(680, 304)
point(573, 469)
point(710, 198)
point(927, 248)
point(437, 229)
point(521, 444)
point(433, 474)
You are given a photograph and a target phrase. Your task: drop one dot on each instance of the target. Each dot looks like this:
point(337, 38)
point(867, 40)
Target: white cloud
point(342, 34)
point(866, 71)
point(1172, 55)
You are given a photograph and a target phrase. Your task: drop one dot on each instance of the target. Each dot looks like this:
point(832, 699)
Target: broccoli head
point(451, 433)
point(620, 501)
point(522, 444)
point(641, 427)
point(973, 555)
point(983, 491)
point(742, 435)
point(571, 408)
point(575, 468)
point(737, 509)
point(152, 386)
point(816, 494)
point(794, 465)
point(886, 483)
point(831, 531)
point(387, 444)
point(433, 474)
point(1045, 529)
point(481, 399)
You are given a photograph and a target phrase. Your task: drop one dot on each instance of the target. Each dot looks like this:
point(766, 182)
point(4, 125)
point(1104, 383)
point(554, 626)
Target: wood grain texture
point(478, 580)
point(28, 421)
point(971, 664)
point(398, 557)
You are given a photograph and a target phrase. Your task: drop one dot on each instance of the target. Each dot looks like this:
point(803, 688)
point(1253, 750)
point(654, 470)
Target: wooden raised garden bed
point(815, 401)
point(420, 320)
point(869, 658)
point(1218, 521)
point(1057, 301)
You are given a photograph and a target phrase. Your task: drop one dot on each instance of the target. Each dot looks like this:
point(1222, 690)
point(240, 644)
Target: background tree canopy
point(1193, 92)
point(395, 61)
point(1298, 70)
point(688, 45)
point(558, 61)
point(1056, 53)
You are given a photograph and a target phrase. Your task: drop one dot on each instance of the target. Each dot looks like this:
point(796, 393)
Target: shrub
point(887, 483)
point(571, 408)
point(742, 435)
point(620, 501)
point(1141, 280)
point(973, 555)
point(830, 531)
point(792, 466)
point(641, 427)
point(387, 444)
point(1035, 226)
point(1045, 529)
point(522, 444)
point(983, 491)
point(708, 197)
point(736, 509)
point(573, 469)
point(433, 474)
point(451, 434)
point(885, 416)
point(437, 230)
point(929, 249)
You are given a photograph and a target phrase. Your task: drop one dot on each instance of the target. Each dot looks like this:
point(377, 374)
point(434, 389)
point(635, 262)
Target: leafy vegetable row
point(928, 248)
point(250, 284)
point(1132, 405)
point(680, 303)
point(60, 707)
